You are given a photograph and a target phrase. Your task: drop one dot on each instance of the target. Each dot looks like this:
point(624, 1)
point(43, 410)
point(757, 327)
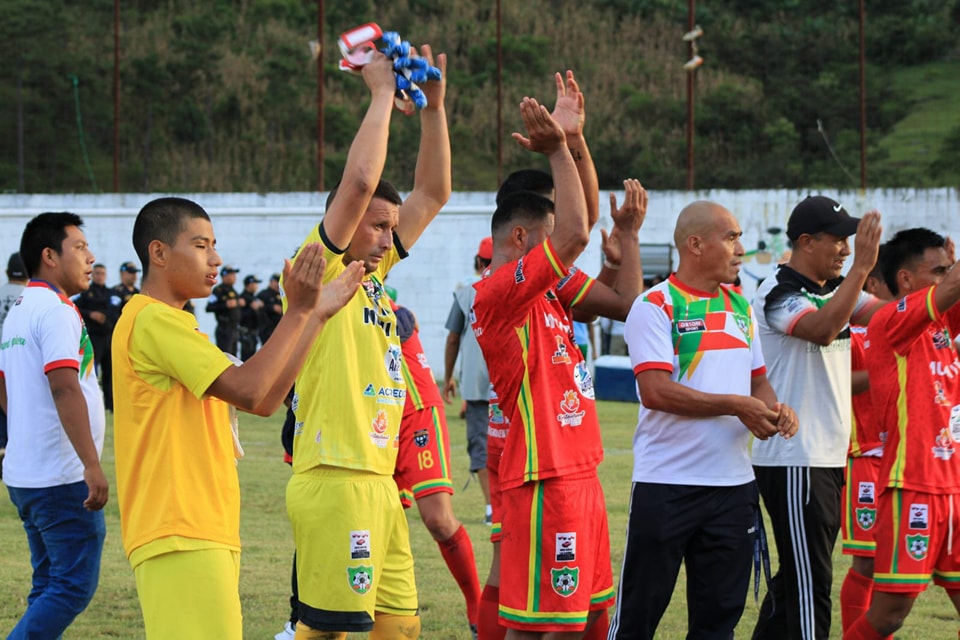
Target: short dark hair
point(47, 230)
point(162, 219)
point(904, 250)
point(534, 180)
point(384, 191)
point(524, 207)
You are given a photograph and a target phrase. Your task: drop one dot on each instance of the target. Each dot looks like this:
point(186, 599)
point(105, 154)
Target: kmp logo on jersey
point(565, 580)
point(570, 414)
point(393, 361)
point(360, 578)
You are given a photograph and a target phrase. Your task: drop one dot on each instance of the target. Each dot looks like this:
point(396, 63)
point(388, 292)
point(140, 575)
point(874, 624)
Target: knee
point(889, 618)
point(441, 524)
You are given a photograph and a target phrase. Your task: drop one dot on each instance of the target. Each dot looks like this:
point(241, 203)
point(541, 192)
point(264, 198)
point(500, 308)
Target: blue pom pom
point(418, 98)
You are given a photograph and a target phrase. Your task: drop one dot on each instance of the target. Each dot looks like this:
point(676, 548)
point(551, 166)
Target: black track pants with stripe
point(804, 508)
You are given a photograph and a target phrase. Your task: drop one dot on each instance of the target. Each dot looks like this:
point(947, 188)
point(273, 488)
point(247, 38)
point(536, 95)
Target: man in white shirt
point(56, 425)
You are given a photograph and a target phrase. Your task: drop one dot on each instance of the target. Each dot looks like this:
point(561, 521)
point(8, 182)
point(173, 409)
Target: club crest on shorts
point(866, 518)
point(421, 437)
point(917, 546)
point(360, 544)
point(565, 580)
point(360, 578)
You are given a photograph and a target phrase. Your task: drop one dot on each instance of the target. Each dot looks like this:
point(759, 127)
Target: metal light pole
point(320, 80)
point(499, 99)
point(116, 96)
point(863, 103)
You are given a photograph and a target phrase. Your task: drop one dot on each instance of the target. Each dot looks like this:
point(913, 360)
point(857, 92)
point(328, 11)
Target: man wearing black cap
point(803, 314)
point(272, 307)
point(251, 310)
point(226, 305)
point(17, 277)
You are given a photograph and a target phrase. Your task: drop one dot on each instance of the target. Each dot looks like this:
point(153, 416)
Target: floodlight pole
point(863, 102)
point(499, 98)
point(320, 80)
point(116, 96)
point(691, 19)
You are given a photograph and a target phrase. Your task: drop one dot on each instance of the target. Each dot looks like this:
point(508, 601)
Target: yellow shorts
point(191, 595)
point(353, 549)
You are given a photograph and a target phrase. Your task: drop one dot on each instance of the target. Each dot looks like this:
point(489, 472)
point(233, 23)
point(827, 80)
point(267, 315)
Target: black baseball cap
point(276, 277)
point(129, 267)
point(15, 267)
point(819, 214)
point(228, 269)
point(250, 279)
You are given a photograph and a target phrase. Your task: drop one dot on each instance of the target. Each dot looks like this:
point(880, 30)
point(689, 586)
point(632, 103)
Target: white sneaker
point(288, 632)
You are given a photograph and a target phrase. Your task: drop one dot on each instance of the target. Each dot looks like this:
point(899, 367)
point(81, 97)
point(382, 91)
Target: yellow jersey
point(350, 393)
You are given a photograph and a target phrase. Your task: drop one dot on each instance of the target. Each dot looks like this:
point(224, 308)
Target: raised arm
point(366, 157)
point(824, 325)
point(432, 181)
point(544, 135)
point(569, 112)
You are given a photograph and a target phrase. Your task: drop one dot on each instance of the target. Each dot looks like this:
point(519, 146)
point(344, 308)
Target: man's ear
point(695, 244)
point(158, 252)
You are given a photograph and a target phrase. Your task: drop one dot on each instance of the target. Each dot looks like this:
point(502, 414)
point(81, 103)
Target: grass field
point(268, 545)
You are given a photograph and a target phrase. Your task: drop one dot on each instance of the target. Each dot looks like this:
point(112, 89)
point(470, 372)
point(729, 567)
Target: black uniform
point(249, 326)
point(228, 320)
point(272, 312)
point(97, 298)
point(118, 296)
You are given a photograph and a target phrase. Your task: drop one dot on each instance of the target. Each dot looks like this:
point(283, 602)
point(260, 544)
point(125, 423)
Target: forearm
point(432, 177)
point(629, 281)
point(673, 397)
point(570, 233)
point(75, 419)
point(450, 352)
point(824, 325)
point(588, 176)
point(761, 389)
point(280, 389)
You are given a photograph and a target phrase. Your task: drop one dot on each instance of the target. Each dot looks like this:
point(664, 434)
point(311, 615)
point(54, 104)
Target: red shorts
point(918, 537)
point(423, 459)
point(858, 506)
point(555, 541)
point(497, 431)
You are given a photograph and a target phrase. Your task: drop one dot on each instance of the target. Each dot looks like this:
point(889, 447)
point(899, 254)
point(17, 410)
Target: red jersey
point(866, 436)
point(422, 390)
point(521, 319)
point(915, 385)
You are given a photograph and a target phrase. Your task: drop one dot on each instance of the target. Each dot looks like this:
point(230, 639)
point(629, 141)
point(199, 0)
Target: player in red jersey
point(858, 503)
point(913, 367)
point(423, 463)
point(554, 534)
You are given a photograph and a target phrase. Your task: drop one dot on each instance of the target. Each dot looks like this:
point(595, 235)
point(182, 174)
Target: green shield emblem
point(565, 580)
point(866, 518)
point(917, 546)
point(361, 579)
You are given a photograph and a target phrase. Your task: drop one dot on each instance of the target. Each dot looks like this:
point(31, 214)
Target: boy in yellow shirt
point(176, 453)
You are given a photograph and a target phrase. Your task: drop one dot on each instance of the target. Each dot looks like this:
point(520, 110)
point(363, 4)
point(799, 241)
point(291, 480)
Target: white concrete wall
point(256, 231)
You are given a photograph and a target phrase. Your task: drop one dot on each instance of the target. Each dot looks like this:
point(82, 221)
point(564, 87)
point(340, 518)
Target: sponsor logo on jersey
point(421, 437)
point(917, 546)
point(941, 339)
point(553, 322)
point(581, 375)
point(943, 449)
point(295, 402)
point(940, 395)
point(902, 304)
point(690, 326)
point(378, 434)
point(360, 544)
point(565, 580)
point(422, 359)
point(385, 395)
point(866, 517)
point(373, 290)
point(518, 276)
point(566, 546)
point(866, 493)
point(570, 414)
point(560, 356)
point(360, 579)
point(495, 415)
point(298, 428)
point(565, 279)
point(919, 516)
point(393, 360)
point(371, 317)
point(949, 371)
point(370, 392)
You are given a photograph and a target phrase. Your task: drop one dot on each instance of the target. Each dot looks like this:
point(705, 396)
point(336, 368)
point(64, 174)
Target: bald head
point(698, 218)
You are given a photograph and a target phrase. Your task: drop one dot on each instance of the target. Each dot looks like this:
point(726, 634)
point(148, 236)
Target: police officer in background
point(226, 305)
point(119, 296)
point(272, 308)
point(250, 314)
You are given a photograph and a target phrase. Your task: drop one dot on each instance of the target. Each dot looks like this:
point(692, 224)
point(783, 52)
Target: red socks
point(488, 627)
point(457, 552)
point(863, 630)
point(854, 597)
